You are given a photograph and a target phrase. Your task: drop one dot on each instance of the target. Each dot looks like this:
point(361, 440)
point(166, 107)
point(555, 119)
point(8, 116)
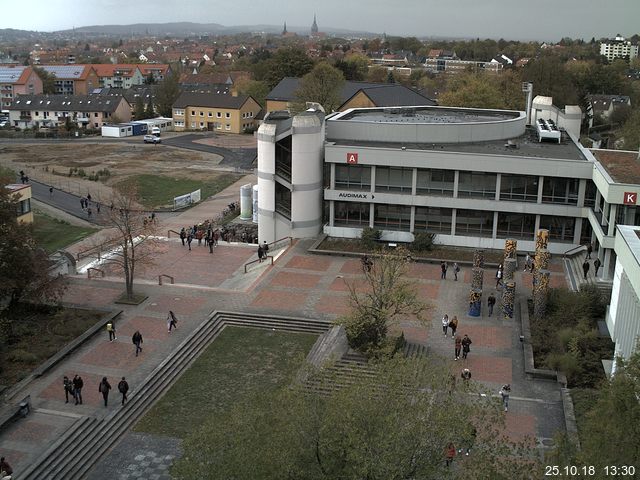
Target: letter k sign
point(630, 198)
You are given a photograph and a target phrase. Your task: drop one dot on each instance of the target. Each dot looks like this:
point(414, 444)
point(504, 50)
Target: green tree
point(387, 296)
point(322, 85)
point(150, 80)
point(377, 74)
point(549, 77)
point(470, 89)
point(631, 131)
point(138, 111)
point(286, 62)
point(150, 111)
point(166, 94)
point(354, 67)
point(393, 424)
point(254, 88)
point(48, 80)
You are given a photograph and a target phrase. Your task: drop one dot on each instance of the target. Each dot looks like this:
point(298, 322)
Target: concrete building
point(228, 113)
point(569, 118)
point(623, 314)
point(23, 192)
point(17, 80)
point(618, 48)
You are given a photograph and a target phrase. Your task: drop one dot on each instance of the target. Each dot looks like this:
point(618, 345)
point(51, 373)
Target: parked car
point(152, 139)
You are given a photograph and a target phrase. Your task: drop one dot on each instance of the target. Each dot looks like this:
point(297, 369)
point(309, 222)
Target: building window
point(433, 220)
point(218, 115)
point(227, 115)
point(520, 188)
point(193, 112)
point(590, 194)
point(435, 182)
point(201, 124)
point(218, 126)
point(210, 114)
point(474, 223)
point(561, 229)
point(179, 113)
point(392, 217)
point(351, 214)
point(193, 124)
point(24, 207)
point(560, 190)
point(477, 185)
point(353, 177)
point(202, 114)
point(283, 201)
point(516, 225)
point(394, 179)
point(227, 127)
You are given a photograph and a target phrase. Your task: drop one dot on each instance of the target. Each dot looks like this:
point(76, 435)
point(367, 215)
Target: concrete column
point(606, 264)
point(332, 212)
point(540, 187)
point(582, 190)
point(613, 210)
point(414, 182)
point(456, 180)
point(536, 225)
point(332, 178)
point(494, 232)
point(498, 183)
point(577, 230)
point(605, 213)
point(373, 179)
point(372, 212)
point(453, 217)
point(412, 222)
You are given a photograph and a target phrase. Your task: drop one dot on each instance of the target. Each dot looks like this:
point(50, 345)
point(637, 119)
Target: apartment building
point(17, 80)
point(222, 112)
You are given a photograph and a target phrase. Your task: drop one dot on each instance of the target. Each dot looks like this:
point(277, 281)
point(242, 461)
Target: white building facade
point(618, 48)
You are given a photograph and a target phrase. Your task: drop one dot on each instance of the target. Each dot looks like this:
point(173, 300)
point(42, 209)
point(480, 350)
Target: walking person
point(453, 324)
point(50, 191)
point(499, 276)
point(445, 324)
point(457, 348)
point(596, 264)
point(491, 301)
point(456, 270)
point(82, 203)
point(466, 344)
point(443, 270)
point(260, 253)
point(528, 263)
point(210, 242)
point(585, 268)
point(265, 248)
point(68, 389)
point(98, 208)
point(88, 198)
point(183, 235)
point(466, 376)
point(589, 250)
point(137, 341)
point(504, 393)
point(189, 240)
point(172, 321)
point(123, 388)
point(449, 454)
point(77, 388)
point(104, 388)
point(89, 212)
point(111, 328)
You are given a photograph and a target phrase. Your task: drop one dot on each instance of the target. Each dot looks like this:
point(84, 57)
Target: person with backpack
point(137, 340)
point(466, 343)
point(123, 388)
point(104, 388)
point(504, 393)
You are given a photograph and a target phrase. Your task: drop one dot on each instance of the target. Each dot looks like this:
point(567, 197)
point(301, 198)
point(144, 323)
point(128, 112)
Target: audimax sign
point(363, 196)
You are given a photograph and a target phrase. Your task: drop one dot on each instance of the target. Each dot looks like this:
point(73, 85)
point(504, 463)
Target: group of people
point(586, 266)
point(263, 251)
point(105, 387)
point(444, 266)
point(460, 343)
point(73, 388)
point(209, 236)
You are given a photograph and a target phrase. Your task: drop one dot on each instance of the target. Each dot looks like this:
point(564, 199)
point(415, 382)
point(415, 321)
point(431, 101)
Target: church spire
point(284, 30)
point(314, 26)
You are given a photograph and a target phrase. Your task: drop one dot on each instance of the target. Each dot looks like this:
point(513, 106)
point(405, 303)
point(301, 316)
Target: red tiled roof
point(623, 166)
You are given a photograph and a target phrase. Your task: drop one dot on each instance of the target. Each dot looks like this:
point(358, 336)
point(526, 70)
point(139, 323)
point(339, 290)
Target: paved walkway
point(298, 284)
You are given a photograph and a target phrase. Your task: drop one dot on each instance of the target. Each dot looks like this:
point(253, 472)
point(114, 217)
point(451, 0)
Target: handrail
point(256, 261)
point(165, 275)
point(169, 233)
point(94, 269)
point(571, 250)
point(280, 240)
point(99, 248)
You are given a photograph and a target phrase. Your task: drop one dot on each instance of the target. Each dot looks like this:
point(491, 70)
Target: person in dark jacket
point(77, 388)
point(104, 388)
point(137, 340)
point(183, 235)
point(5, 467)
point(68, 388)
point(123, 388)
point(585, 268)
point(466, 342)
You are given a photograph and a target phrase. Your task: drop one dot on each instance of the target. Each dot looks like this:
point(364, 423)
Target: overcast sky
point(509, 19)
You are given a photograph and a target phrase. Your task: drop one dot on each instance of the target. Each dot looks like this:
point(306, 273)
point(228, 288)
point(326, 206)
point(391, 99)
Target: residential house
point(145, 92)
point(352, 95)
point(158, 71)
point(604, 105)
point(119, 75)
point(17, 80)
point(618, 47)
point(86, 111)
point(230, 113)
point(23, 192)
point(73, 79)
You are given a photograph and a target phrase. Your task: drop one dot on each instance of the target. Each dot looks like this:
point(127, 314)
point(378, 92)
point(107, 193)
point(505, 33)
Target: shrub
point(81, 173)
point(370, 237)
point(422, 242)
point(21, 356)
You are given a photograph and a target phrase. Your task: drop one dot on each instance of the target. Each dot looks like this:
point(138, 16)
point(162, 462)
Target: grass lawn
point(239, 362)
point(53, 234)
point(37, 335)
point(438, 252)
point(157, 191)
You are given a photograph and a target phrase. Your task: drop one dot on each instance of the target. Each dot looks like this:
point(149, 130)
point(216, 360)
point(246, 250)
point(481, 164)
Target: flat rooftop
point(623, 166)
point(426, 115)
point(526, 145)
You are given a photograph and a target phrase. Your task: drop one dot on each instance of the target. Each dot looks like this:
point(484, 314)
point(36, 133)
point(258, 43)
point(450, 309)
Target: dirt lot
point(51, 163)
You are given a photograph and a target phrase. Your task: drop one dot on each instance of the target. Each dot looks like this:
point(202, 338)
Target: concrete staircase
point(89, 438)
point(573, 269)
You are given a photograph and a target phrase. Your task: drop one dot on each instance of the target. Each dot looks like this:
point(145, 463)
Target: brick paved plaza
point(300, 284)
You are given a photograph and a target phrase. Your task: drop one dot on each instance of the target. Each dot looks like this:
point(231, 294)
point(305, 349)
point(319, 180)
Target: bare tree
point(132, 239)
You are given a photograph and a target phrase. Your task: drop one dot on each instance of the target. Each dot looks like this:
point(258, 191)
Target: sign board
point(195, 196)
point(630, 198)
point(352, 158)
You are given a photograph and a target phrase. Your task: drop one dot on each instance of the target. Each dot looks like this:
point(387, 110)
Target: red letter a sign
point(352, 158)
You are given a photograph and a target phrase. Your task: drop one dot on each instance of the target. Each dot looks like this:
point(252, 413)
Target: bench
point(21, 410)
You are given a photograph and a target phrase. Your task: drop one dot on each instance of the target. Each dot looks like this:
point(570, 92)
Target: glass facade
point(474, 223)
point(433, 220)
point(283, 158)
point(516, 225)
point(560, 190)
point(519, 188)
point(435, 182)
point(590, 194)
point(351, 214)
point(477, 185)
point(394, 179)
point(392, 217)
point(561, 229)
point(353, 177)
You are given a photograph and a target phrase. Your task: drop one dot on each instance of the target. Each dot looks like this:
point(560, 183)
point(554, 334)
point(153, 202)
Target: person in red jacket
point(450, 453)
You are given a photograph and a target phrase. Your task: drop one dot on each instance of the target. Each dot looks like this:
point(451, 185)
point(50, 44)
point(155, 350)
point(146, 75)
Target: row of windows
point(475, 223)
point(216, 125)
point(519, 188)
point(180, 113)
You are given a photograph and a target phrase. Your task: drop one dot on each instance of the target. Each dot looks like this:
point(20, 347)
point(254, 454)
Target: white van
point(155, 131)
